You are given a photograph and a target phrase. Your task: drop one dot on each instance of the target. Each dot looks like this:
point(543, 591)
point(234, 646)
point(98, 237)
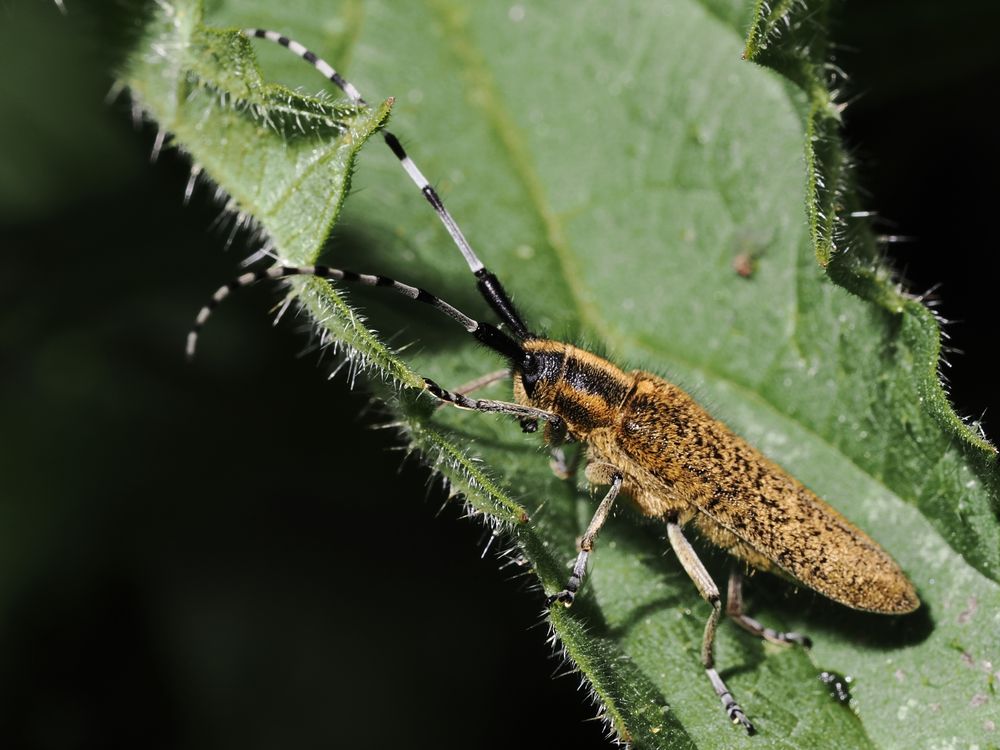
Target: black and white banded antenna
point(485, 333)
point(486, 281)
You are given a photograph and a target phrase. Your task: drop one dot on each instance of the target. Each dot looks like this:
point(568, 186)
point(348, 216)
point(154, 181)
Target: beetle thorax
point(582, 388)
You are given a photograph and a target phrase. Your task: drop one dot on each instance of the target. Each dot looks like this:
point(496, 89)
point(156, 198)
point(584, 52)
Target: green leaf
point(284, 159)
point(611, 162)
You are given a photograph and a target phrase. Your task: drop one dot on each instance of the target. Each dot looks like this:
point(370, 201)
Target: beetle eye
point(530, 370)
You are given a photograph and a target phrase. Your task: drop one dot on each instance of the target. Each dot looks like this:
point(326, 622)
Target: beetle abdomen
point(735, 491)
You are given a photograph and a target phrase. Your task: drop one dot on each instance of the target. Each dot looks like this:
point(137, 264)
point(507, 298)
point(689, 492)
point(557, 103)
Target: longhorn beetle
point(648, 439)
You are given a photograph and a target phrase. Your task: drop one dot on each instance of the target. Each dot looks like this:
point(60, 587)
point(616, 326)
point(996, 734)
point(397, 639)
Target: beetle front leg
point(562, 467)
point(524, 414)
point(568, 594)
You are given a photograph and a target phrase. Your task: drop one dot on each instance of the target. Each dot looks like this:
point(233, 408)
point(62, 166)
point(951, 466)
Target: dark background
point(178, 568)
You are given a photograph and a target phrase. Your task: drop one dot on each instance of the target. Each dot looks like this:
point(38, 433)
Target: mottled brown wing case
point(734, 487)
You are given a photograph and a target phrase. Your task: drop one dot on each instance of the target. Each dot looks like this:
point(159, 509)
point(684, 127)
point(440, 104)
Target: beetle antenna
point(485, 333)
point(486, 281)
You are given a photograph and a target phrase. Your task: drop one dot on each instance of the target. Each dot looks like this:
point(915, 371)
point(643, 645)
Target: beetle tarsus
point(566, 597)
point(529, 425)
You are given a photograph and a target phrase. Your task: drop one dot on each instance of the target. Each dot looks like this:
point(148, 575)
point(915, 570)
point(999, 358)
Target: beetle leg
point(562, 467)
point(520, 411)
point(734, 609)
point(710, 593)
point(481, 382)
point(568, 594)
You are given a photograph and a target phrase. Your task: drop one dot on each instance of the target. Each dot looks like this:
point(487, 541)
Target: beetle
point(647, 439)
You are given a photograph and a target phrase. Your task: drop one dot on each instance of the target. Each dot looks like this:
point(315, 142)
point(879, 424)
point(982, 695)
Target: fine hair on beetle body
point(643, 438)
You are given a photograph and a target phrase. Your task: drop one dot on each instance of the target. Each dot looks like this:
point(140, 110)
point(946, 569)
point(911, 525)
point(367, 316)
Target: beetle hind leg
point(734, 610)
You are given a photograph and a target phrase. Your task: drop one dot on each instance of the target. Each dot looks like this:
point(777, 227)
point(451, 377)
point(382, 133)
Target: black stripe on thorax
point(593, 380)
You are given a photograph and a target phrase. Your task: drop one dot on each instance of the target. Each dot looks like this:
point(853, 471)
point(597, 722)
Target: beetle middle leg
point(734, 609)
point(710, 593)
point(568, 594)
